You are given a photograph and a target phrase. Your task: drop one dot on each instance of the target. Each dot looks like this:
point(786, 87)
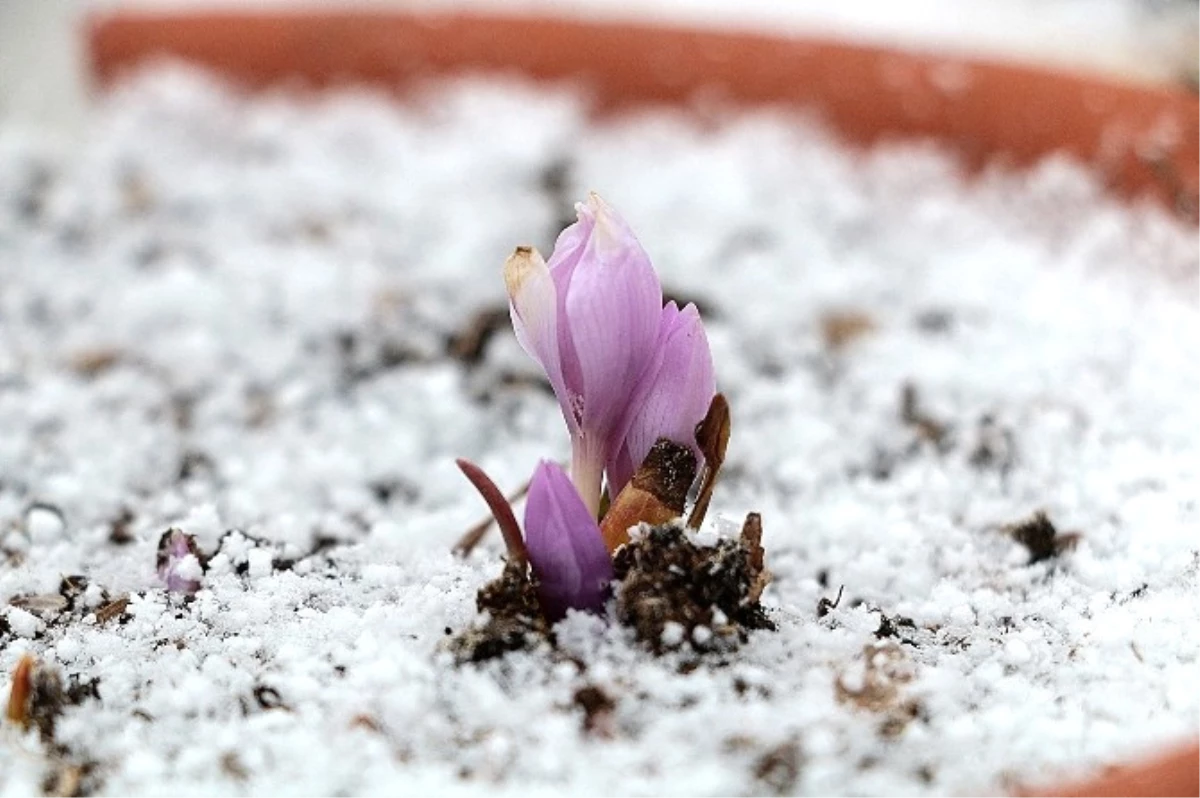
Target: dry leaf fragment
point(112, 609)
point(842, 327)
point(760, 577)
point(21, 692)
point(712, 436)
point(657, 494)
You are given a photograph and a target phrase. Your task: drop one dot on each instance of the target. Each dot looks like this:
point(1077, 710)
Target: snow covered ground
point(232, 316)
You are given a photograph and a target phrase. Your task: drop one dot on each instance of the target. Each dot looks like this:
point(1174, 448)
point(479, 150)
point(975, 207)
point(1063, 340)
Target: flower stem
point(587, 470)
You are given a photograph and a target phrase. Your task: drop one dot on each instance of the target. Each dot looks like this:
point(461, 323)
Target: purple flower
point(676, 393)
point(591, 318)
point(179, 562)
point(565, 548)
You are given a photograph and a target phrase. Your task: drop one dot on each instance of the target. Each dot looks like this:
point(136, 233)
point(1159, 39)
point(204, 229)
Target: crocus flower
point(565, 548)
point(590, 317)
point(179, 564)
point(676, 393)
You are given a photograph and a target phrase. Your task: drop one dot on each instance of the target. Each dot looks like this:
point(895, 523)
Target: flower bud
point(591, 318)
point(569, 559)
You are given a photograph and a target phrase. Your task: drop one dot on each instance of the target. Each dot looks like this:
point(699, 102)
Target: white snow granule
point(258, 562)
point(230, 315)
point(22, 623)
point(188, 567)
point(673, 634)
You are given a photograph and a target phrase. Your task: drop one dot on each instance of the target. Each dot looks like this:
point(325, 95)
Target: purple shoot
point(568, 555)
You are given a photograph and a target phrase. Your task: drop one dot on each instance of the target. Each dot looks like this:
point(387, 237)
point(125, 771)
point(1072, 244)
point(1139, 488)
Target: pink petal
point(676, 397)
point(612, 306)
point(533, 305)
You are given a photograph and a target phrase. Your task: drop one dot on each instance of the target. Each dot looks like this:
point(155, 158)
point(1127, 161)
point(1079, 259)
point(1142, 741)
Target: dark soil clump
point(1043, 540)
point(598, 707)
point(674, 592)
point(514, 618)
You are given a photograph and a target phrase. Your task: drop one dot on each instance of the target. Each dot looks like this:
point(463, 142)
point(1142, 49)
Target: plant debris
point(778, 769)
point(889, 627)
point(598, 707)
point(1041, 537)
point(113, 609)
point(674, 592)
point(824, 605)
point(657, 494)
point(469, 344)
point(875, 684)
point(712, 436)
point(925, 425)
point(839, 328)
point(668, 588)
point(119, 533)
point(995, 447)
point(48, 604)
point(36, 698)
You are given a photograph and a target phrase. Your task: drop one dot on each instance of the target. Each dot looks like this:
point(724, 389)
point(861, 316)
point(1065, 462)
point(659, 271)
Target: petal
point(612, 306)
point(533, 306)
point(677, 394)
point(565, 548)
point(568, 250)
point(621, 466)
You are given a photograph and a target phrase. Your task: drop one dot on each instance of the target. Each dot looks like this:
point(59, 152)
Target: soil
point(514, 620)
point(674, 592)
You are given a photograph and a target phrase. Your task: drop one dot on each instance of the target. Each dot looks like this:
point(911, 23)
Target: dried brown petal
point(656, 495)
point(712, 436)
point(21, 692)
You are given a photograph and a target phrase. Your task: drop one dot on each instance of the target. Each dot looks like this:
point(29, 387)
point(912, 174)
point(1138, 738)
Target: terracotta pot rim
point(1140, 139)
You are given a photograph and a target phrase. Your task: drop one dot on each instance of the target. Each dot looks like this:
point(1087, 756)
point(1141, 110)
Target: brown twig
point(712, 436)
point(501, 512)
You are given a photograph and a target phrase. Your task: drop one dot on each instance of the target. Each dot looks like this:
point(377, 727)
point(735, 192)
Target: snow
point(43, 525)
point(230, 314)
point(23, 624)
